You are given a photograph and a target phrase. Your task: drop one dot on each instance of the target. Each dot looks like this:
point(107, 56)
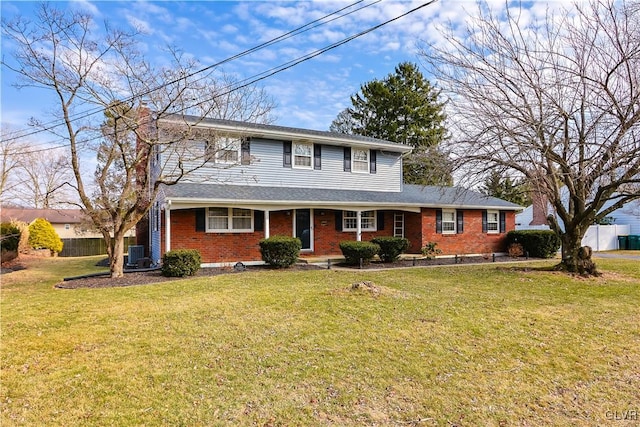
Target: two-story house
point(323, 187)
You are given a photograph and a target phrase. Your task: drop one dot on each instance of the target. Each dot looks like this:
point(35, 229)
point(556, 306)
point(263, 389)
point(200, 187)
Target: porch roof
point(412, 198)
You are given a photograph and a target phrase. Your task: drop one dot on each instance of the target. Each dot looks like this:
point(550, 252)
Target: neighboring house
point(322, 187)
point(68, 223)
point(625, 221)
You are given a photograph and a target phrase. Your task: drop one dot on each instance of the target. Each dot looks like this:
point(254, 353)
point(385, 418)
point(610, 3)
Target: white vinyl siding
point(266, 170)
point(367, 221)
point(448, 221)
point(229, 220)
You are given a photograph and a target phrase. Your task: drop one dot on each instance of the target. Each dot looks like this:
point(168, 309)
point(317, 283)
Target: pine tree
point(402, 108)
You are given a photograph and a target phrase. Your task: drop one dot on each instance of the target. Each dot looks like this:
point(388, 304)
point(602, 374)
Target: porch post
point(167, 226)
point(266, 224)
point(358, 226)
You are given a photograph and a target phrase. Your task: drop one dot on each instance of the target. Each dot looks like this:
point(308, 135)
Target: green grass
point(474, 345)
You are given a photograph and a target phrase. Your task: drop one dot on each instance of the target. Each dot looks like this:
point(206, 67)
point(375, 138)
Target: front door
point(303, 228)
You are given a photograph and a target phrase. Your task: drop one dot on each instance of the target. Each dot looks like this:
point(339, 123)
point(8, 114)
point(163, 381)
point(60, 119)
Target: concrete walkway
point(620, 255)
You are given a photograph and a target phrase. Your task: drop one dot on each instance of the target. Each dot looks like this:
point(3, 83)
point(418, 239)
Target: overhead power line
point(299, 30)
point(290, 64)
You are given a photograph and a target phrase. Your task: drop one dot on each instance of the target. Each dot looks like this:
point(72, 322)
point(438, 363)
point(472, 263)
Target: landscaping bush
point(538, 243)
point(354, 251)
point(181, 263)
point(9, 241)
point(280, 251)
point(42, 235)
point(391, 247)
point(430, 250)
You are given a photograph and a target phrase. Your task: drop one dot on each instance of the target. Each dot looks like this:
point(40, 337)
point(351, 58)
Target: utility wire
point(290, 64)
point(302, 29)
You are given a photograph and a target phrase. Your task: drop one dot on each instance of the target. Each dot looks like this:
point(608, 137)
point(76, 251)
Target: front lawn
point(486, 345)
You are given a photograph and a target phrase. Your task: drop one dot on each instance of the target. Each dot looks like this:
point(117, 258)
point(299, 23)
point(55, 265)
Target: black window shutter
point(484, 222)
point(380, 220)
point(338, 220)
point(373, 157)
point(286, 154)
point(459, 222)
point(201, 219)
point(347, 159)
point(503, 221)
point(245, 152)
point(258, 220)
point(438, 220)
point(317, 156)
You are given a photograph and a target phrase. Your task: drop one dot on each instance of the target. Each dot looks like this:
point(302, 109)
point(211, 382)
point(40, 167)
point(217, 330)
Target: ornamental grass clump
point(280, 251)
point(390, 247)
point(354, 251)
point(181, 263)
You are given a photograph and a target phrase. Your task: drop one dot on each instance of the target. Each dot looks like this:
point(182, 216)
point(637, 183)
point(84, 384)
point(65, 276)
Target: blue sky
point(309, 95)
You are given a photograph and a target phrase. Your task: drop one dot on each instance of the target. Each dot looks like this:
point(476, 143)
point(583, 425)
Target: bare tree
point(10, 162)
point(109, 99)
point(557, 102)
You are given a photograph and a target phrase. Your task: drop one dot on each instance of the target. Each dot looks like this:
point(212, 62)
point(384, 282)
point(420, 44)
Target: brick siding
point(420, 229)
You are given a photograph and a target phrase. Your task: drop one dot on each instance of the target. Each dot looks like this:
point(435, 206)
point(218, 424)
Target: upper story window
point(493, 222)
point(448, 221)
point(229, 220)
point(223, 150)
point(302, 155)
point(367, 221)
point(360, 160)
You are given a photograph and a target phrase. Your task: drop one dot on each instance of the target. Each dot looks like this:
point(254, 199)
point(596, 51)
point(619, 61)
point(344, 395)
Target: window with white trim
point(302, 155)
point(493, 222)
point(367, 221)
point(223, 150)
point(229, 219)
point(360, 160)
point(448, 221)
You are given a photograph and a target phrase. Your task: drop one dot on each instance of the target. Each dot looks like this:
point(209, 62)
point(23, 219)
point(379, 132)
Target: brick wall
point(420, 228)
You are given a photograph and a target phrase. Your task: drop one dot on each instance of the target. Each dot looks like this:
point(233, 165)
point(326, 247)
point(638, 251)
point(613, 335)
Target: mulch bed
point(148, 277)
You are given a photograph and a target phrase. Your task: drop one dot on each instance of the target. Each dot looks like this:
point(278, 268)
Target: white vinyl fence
point(604, 237)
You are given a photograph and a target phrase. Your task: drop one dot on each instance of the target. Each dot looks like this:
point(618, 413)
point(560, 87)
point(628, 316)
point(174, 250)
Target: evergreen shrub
point(280, 251)
point(42, 235)
point(354, 251)
point(181, 263)
point(538, 243)
point(390, 247)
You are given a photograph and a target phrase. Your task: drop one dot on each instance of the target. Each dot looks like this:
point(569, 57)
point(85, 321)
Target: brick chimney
point(540, 208)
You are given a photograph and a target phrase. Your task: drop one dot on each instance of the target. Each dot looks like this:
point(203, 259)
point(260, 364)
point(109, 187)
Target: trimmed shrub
point(353, 251)
point(181, 263)
point(280, 251)
point(9, 241)
point(42, 235)
point(10, 237)
point(391, 247)
point(539, 243)
point(430, 250)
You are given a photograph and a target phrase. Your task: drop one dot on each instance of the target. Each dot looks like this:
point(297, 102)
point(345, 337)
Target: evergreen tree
point(42, 235)
point(503, 187)
point(403, 108)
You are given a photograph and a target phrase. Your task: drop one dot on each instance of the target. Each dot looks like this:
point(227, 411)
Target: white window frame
point(451, 227)
point(398, 225)
point(295, 155)
point(219, 149)
point(493, 223)
point(355, 161)
point(231, 215)
point(350, 221)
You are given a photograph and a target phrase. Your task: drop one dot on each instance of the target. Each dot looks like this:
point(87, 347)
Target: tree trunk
point(116, 258)
point(575, 257)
